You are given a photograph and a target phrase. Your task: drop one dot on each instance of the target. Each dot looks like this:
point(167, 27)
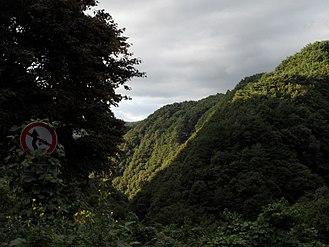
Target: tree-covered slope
point(266, 139)
point(151, 145)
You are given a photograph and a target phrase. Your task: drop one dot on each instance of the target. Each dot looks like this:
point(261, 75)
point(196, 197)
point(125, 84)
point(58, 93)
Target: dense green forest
point(249, 167)
point(267, 139)
point(154, 143)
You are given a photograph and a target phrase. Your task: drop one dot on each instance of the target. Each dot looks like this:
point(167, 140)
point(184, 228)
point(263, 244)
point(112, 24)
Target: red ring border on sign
point(53, 145)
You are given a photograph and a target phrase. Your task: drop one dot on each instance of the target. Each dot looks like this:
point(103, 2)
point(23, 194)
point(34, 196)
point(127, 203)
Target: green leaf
point(18, 242)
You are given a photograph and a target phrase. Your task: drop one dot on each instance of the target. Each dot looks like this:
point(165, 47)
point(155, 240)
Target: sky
point(191, 49)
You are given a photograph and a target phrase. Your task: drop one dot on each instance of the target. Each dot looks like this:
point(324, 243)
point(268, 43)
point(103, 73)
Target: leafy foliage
point(34, 177)
point(206, 173)
point(59, 63)
point(278, 225)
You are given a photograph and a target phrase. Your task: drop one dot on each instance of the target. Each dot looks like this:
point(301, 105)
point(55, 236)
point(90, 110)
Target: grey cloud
point(191, 49)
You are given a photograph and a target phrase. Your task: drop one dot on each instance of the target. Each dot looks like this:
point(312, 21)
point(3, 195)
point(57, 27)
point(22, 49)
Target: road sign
point(38, 135)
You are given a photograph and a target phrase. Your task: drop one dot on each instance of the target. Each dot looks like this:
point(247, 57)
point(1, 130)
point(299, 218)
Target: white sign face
point(38, 135)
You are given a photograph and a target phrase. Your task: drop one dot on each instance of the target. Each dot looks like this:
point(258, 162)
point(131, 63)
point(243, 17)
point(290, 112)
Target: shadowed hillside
point(266, 139)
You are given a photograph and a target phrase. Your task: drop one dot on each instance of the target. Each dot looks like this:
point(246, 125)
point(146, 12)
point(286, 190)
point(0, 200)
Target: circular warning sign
point(38, 135)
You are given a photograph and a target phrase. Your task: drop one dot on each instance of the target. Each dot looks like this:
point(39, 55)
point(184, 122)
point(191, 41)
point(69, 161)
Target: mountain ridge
point(266, 139)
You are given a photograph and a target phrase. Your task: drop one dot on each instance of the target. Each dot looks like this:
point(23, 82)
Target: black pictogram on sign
point(38, 135)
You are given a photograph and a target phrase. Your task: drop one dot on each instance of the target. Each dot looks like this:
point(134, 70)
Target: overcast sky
point(194, 48)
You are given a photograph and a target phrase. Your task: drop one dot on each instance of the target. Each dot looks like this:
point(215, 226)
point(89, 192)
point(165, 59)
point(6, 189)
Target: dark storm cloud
point(191, 49)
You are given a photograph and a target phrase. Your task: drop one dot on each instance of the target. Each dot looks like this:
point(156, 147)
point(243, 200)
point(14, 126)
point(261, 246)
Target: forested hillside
point(266, 139)
point(248, 168)
point(154, 143)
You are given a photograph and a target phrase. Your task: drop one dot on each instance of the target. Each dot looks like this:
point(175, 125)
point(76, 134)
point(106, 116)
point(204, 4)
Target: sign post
point(38, 135)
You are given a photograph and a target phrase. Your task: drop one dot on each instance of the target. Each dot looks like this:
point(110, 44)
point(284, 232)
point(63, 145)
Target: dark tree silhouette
point(60, 63)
